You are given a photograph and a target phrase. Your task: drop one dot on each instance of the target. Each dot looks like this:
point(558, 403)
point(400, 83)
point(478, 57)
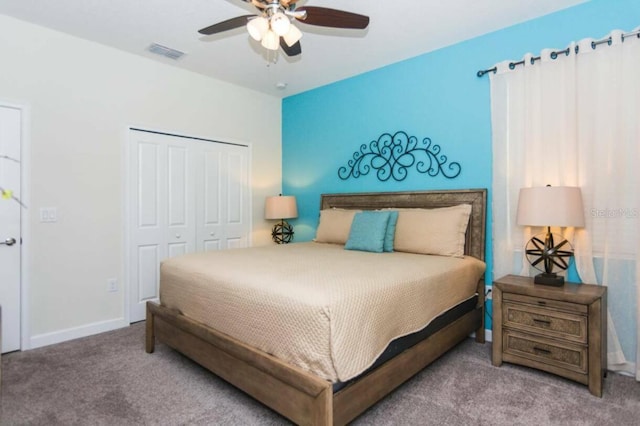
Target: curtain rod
point(554, 54)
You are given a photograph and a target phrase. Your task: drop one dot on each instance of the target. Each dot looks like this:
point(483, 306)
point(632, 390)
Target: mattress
point(318, 306)
point(403, 343)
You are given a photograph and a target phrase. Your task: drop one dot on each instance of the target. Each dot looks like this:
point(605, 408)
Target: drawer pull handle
point(544, 322)
point(541, 350)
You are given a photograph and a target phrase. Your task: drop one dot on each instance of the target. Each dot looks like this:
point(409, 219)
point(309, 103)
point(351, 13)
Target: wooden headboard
point(475, 237)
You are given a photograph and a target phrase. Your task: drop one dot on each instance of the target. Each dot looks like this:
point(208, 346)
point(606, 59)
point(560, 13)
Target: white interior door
point(184, 195)
point(10, 236)
point(222, 209)
point(180, 225)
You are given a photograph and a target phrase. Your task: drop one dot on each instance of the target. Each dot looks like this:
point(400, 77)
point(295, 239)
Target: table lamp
point(550, 206)
point(281, 207)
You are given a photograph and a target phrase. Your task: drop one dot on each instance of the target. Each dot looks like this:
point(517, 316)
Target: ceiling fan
point(272, 26)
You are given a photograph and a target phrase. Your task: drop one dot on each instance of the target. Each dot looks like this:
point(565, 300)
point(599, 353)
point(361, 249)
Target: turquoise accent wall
point(436, 95)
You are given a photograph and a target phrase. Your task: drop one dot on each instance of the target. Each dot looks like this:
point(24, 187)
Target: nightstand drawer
point(563, 355)
point(546, 322)
point(546, 303)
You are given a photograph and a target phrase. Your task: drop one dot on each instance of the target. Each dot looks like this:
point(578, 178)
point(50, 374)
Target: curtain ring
point(483, 72)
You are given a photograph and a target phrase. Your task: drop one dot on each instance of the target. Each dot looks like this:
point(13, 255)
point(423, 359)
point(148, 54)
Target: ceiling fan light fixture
point(280, 23)
point(271, 41)
point(272, 25)
point(258, 27)
point(292, 36)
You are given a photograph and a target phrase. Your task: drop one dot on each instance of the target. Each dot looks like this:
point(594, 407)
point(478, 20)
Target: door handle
point(8, 242)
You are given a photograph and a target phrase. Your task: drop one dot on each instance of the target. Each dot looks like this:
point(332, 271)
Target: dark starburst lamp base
point(549, 255)
point(282, 233)
point(549, 279)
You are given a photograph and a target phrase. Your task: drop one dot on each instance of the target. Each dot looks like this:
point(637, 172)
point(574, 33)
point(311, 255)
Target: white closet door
point(148, 219)
point(10, 242)
point(180, 227)
point(185, 195)
point(223, 200)
point(237, 196)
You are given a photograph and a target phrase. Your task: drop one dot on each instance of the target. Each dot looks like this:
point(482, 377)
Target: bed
point(303, 394)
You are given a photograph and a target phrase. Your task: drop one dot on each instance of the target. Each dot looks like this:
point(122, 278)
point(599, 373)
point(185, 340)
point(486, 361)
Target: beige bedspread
point(328, 310)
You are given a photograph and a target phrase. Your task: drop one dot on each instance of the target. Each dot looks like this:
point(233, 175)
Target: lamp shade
point(292, 36)
point(280, 24)
point(271, 41)
point(258, 27)
point(550, 206)
point(281, 207)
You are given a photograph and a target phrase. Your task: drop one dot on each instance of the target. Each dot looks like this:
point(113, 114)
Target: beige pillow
point(335, 225)
point(432, 231)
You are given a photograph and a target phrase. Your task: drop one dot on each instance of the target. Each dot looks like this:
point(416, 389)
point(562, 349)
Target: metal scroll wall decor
point(391, 156)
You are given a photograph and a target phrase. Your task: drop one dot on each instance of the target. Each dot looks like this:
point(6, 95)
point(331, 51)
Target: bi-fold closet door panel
point(185, 195)
point(222, 202)
point(11, 130)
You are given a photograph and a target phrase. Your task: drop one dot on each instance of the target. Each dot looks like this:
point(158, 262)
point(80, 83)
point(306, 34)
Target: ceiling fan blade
point(325, 17)
point(229, 24)
point(294, 50)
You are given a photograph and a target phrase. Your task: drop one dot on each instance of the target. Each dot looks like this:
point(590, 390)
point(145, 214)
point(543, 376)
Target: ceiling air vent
point(159, 49)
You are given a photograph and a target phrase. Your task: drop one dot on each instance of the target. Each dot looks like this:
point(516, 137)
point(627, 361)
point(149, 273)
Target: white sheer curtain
point(573, 121)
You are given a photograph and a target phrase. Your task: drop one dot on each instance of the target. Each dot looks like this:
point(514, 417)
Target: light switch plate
point(48, 214)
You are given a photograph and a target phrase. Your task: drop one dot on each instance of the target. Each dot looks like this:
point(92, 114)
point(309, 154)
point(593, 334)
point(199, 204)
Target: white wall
point(82, 96)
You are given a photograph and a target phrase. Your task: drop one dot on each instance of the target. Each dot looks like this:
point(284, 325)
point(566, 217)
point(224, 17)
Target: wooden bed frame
point(297, 394)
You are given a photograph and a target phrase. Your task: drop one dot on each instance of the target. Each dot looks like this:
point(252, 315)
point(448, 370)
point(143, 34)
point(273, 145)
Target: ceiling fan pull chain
point(272, 54)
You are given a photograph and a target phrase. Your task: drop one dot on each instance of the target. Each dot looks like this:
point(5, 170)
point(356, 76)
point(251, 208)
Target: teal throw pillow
point(391, 231)
point(368, 231)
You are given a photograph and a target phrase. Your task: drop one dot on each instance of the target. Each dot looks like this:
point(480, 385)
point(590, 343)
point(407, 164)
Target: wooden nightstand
point(561, 330)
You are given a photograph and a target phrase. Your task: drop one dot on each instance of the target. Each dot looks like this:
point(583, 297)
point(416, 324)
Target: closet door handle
point(8, 242)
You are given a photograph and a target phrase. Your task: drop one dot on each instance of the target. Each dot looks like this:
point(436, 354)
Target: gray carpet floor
point(108, 379)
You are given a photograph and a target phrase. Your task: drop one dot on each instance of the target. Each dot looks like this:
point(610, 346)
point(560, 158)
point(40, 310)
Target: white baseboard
point(487, 335)
point(75, 333)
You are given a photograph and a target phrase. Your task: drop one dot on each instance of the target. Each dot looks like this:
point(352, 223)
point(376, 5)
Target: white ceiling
point(399, 29)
